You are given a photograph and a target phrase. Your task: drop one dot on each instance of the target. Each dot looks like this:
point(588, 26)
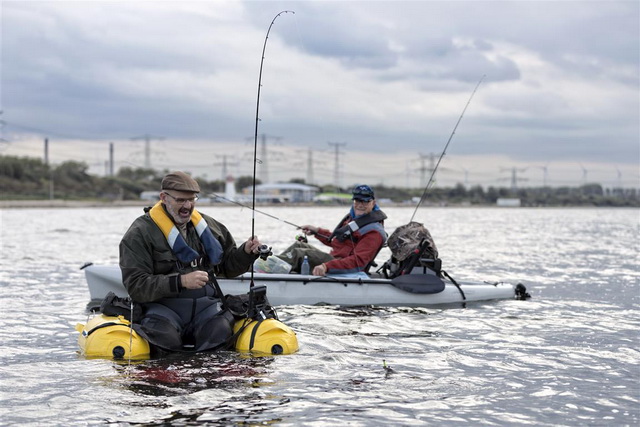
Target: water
point(568, 356)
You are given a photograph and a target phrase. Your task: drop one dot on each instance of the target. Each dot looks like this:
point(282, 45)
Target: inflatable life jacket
point(343, 232)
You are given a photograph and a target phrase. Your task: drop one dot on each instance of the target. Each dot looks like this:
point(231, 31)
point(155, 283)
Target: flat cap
point(180, 181)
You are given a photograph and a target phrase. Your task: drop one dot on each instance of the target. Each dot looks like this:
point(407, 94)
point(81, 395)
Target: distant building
point(230, 195)
point(508, 203)
point(332, 198)
point(152, 196)
point(230, 188)
point(282, 193)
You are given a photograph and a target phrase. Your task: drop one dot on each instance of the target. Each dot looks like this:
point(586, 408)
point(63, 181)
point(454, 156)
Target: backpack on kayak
point(411, 246)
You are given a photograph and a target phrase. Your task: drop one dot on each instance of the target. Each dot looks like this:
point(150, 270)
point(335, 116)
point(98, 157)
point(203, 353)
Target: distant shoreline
point(25, 204)
point(22, 204)
point(11, 204)
point(18, 204)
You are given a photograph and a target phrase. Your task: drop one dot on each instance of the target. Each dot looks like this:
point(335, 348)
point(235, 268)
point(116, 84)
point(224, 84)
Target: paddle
point(419, 283)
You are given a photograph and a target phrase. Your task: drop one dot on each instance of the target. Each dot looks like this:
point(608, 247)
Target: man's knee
point(161, 332)
point(212, 329)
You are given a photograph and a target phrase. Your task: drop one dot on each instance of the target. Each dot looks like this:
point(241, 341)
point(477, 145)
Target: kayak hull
point(295, 289)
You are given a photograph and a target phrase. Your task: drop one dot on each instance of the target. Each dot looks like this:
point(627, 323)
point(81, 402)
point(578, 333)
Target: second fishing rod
point(444, 151)
point(298, 227)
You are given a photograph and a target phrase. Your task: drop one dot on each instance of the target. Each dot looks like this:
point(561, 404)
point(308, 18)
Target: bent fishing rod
point(433, 172)
point(255, 143)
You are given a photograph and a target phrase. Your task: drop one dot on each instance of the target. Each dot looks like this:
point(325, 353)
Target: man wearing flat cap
point(354, 242)
point(168, 256)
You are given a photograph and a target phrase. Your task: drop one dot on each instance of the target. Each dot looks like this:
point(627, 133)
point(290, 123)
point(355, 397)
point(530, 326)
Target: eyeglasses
point(362, 202)
point(181, 201)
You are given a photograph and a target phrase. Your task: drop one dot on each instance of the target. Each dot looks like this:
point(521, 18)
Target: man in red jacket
point(354, 243)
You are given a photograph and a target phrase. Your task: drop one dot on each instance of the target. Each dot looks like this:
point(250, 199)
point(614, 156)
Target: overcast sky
point(375, 87)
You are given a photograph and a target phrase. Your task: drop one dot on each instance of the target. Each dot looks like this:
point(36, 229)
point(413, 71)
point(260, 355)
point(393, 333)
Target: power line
point(514, 177)
point(147, 147)
point(336, 170)
point(264, 156)
point(225, 166)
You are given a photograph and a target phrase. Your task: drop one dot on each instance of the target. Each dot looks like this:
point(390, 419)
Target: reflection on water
point(186, 373)
point(568, 356)
point(195, 379)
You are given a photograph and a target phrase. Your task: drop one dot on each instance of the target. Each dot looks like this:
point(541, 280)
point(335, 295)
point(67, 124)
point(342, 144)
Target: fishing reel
point(264, 251)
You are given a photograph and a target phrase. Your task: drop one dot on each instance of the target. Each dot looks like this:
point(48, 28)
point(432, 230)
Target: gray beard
point(183, 229)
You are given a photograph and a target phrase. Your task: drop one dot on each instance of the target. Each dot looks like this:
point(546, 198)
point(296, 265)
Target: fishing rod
point(298, 227)
point(433, 172)
point(257, 210)
point(262, 250)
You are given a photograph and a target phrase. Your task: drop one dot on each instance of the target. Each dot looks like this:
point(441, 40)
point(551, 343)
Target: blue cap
point(363, 192)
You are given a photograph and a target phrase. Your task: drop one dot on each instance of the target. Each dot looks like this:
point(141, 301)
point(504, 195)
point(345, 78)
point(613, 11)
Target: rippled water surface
point(568, 356)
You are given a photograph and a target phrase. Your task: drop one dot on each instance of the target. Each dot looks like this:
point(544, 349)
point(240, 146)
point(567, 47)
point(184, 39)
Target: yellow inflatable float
point(266, 337)
point(113, 337)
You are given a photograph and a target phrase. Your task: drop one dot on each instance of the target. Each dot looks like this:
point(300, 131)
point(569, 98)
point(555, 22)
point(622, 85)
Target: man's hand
point(309, 230)
point(251, 245)
point(320, 270)
point(194, 280)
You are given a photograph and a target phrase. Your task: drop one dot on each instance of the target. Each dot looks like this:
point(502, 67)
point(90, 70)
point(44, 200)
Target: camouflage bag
point(405, 239)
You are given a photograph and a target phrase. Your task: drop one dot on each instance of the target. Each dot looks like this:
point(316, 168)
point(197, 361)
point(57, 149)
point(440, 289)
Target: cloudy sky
point(364, 91)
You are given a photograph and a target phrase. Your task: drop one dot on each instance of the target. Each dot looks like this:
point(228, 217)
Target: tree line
point(27, 178)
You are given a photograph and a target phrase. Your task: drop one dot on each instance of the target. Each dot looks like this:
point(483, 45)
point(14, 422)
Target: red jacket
point(353, 254)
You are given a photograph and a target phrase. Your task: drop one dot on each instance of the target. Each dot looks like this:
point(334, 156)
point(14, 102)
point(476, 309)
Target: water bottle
point(304, 268)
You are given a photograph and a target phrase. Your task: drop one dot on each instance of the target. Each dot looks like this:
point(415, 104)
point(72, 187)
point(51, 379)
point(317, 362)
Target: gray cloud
point(561, 77)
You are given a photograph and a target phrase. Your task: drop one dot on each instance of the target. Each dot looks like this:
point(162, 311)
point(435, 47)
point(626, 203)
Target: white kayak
point(411, 290)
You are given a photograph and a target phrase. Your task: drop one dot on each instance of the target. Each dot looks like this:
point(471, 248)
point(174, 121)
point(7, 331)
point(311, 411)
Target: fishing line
point(299, 227)
point(298, 34)
point(130, 334)
point(257, 210)
point(255, 140)
point(433, 172)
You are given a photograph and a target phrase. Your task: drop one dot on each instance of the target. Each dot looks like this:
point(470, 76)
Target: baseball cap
point(363, 192)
